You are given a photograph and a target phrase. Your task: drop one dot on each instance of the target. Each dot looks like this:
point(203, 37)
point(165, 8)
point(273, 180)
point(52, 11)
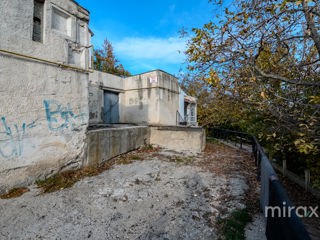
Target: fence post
point(307, 179)
point(284, 167)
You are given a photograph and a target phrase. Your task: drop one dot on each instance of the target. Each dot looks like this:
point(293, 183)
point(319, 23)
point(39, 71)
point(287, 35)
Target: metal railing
point(273, 195)
point(179, 119)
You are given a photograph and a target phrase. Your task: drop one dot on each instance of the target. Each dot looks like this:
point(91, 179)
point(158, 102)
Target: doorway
point(111, 107)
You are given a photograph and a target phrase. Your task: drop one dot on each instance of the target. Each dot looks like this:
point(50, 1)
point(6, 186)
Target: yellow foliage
point(263, 95)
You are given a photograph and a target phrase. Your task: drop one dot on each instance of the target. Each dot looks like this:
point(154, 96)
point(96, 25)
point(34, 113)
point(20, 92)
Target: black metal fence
point(281, 219)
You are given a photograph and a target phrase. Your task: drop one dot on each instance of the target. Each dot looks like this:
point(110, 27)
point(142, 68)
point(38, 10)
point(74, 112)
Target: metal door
point(111, 107)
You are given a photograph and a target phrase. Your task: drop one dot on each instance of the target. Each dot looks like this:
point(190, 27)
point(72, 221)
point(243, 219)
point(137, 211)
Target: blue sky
point(144, 33)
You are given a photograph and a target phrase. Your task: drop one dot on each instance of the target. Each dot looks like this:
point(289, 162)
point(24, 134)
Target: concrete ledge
point(176, 128)
point(104, 144)
point(179, 138)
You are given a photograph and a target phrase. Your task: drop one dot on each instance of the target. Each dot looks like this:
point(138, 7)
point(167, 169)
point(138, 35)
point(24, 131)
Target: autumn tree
point(264, 57)
point(106, 61)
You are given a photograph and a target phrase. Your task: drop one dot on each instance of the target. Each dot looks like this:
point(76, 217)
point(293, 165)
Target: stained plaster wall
point(151, 102)
point(104, 144)
point(169, 98)
point(141, 101)
point(17, 27)
point(98, 83)
point(44, 108)
point(179, 138)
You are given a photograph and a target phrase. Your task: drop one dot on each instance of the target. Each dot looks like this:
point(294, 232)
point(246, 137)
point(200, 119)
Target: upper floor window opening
point(61, 21)
point(38, 10)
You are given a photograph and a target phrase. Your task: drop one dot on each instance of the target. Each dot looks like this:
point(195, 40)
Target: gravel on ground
point(158, 194)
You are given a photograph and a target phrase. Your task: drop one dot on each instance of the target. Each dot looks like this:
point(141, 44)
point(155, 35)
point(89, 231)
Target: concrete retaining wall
point(179, 138)
point(105, 144)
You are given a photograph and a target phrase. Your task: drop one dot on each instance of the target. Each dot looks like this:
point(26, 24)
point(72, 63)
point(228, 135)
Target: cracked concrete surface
point(156, 198)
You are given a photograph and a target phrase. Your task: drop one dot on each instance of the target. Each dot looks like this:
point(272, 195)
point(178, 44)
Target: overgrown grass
point(234, 226)
point(179, 159)
point(176, 159)
point(188, 160)
point(67, 179)
point(136, 158)
point(14, 193)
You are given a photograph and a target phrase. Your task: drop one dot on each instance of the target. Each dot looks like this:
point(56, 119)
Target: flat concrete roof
point(154, 71)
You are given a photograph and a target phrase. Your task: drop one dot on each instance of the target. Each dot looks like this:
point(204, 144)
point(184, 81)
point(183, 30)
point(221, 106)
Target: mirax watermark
point(286, 211)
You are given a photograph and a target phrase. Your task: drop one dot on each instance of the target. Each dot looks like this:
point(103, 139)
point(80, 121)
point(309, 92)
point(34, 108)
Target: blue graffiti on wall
point(59, 117)
point(55, 110)
point(14, 145)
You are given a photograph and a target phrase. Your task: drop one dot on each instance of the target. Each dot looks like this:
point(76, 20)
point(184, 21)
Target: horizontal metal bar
point(47, 61)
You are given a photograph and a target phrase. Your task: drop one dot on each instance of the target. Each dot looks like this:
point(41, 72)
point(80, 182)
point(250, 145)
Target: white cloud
point(163, 49)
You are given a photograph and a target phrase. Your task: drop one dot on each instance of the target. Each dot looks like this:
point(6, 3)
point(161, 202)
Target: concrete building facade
point(147, 98)
point(51, 98)
point(44, 108)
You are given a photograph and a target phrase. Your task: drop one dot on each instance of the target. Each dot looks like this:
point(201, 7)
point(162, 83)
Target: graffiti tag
point(60, 117)
point(14, 146)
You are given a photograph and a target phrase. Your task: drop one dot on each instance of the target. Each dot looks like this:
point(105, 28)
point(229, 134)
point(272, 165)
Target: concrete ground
point(162, 194)
point(257, 228)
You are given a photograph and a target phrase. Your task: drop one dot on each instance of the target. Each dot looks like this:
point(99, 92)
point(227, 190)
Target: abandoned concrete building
point(58, 113)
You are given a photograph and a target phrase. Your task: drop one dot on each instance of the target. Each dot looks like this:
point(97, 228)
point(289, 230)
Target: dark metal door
point(111, 107)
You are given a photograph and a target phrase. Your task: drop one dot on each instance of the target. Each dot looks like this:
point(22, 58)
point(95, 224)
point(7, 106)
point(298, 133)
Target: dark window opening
point(37, 34)
point(71, 59)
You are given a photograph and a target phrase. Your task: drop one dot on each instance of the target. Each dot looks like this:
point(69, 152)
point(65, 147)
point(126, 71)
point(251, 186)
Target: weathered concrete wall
point(179, 138)
point(98, 82)
point(141, 101)
point(44, 108)
point(44, 115)
point(108, 143)
point(16, 18)
point(169, 99)
point(151, 102)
